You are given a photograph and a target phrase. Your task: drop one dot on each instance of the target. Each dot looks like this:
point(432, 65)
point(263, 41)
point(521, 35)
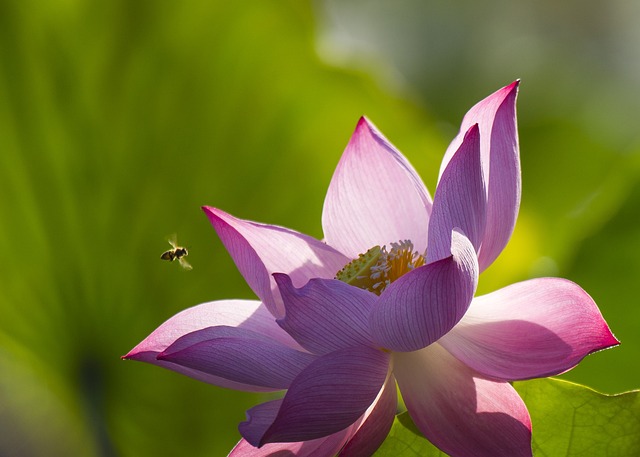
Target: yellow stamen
point(377, 268)
point(358, 272)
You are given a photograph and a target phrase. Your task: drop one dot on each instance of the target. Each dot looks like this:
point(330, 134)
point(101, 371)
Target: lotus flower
point(388, 297)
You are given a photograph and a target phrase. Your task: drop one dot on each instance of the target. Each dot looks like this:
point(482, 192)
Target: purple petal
point(322, 447)
point(375, 428)
point(535, 328)
point(259, 419)
point(326, 314)
point(238, 355)
point(496, 117)
point(460, 200)
point(328, 396)
point(424, 304)
point(459, 412)
point(375, 197)
point(260, 250)
point(362, 438)
point(245, 314)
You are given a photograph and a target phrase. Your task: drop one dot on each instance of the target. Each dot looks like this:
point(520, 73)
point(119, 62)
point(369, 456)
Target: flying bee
point(176, 253)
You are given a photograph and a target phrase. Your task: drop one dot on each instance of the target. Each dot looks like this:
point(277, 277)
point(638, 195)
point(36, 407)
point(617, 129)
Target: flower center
point(378, 267)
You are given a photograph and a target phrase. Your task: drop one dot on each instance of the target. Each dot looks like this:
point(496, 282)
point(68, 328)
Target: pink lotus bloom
point(386, 298)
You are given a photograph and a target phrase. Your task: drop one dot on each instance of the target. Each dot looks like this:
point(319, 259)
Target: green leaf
point(405, 440)
point(568, 420)
point(573, 420)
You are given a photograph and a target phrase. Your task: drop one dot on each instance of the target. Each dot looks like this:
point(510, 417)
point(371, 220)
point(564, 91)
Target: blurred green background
point(119, 119)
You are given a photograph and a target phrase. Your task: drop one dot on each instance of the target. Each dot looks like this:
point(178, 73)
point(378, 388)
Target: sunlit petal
point(500, 152)
point(375, 197)
point(245, 314)
point(461, 413)
point(260, 250)
point(460, 201)
point(238, 355)
point(536, 328)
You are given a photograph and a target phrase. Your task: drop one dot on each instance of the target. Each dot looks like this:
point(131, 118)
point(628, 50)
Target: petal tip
point(511, 91)
point(365, 127)
point(212, 213)
point(609, 340)
point(133, 354)
point(281, 278)
point(285, 283)
point(508, 92)
point(245, 430)
point(363, 122)
point(220, 218)
point(473, 133)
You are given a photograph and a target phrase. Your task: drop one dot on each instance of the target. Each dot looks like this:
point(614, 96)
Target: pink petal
point(260, 250)
point(250, 315)
point(375, 428)
point(496, 117)
point(460, 200)
point(375, 197)
point(326, 314)
point(459, 412)
point(238, 355)
point(424, 304)
point(328, 396)
point(536, 328)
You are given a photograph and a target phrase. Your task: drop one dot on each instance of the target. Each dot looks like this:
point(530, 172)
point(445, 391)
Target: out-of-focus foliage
point(568, 420)
point(579, 137)
point(118, 120)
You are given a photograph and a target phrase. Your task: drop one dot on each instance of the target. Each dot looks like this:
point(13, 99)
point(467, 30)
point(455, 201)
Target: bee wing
point(173, 240)
point(184, 264)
